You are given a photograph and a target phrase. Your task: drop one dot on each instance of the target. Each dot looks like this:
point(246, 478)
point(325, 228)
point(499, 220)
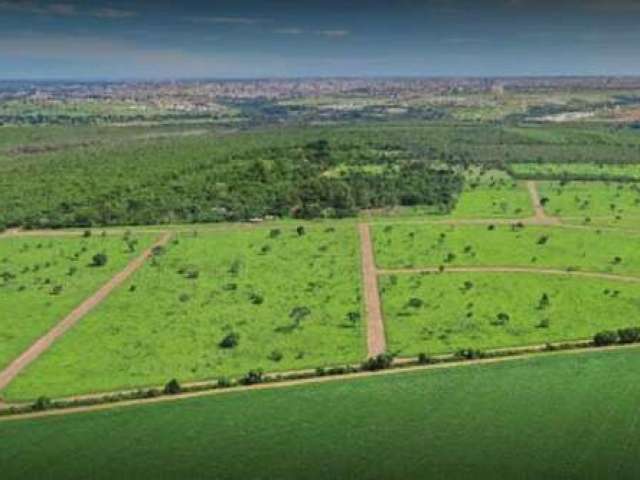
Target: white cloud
point(289, 31)
point(227, 20)
point(334, 33)
point(62, 9)
point(58, 9)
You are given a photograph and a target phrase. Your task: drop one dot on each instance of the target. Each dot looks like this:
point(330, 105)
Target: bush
point(608, 337)
point(253, 377)
point(172, 388)
point(424, 359)
point(379, 362)
point(469, 354)
point(99, 260)
point(629, 335)
point(230, 341)
point(42, 403)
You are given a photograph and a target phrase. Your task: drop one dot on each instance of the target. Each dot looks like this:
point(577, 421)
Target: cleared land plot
point(281, 301)
point(591, 199)
point(457, 423)
point(492, 194)
point(597, 171)
point(43, 278)
point(420, 245)
point(441, 313)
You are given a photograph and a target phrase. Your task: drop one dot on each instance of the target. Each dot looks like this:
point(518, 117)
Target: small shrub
point(300, 231)
point(256, 299)
point(253, 377)
point(42, 403)
point(173, 387)
point(629, 335)
point(230, 341)
point(379, 362)
point(99, 260)
point(415, 303)
point(275, 356)
point(424, 359)
point(469, 354)
point(607, 337)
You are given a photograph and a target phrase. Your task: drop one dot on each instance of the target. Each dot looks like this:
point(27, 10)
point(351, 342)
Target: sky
point(160, 39)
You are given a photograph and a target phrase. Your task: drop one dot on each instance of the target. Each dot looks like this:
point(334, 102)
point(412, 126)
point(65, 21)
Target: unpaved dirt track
point(376, 343)
point(540, 271)
point(315, 380)
point(540, 215)
point(42, 344)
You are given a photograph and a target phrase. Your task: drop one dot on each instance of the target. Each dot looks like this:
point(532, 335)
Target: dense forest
point(211, 180)
point(306, 172)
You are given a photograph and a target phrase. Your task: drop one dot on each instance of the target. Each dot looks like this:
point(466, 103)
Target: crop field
point(451, 423)
point(216, 305)
point(424, 245)
point(588, 200)
point(442, 313)
point(585, 171)
point(44, 278)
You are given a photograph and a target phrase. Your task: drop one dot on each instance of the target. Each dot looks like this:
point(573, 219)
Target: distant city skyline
point(115, 39)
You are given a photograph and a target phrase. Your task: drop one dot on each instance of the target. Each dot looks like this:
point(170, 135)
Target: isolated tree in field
point(230, 341)
point(544, 301)
point(298, 314)
point(99, 260)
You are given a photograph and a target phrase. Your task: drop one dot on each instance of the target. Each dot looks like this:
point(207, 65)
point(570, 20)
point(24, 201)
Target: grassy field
point(441, 313)
point(512, 420)
point(423, 245)
point(582, 170)
point(591, 199)
point(43, 279)
point(293, 301)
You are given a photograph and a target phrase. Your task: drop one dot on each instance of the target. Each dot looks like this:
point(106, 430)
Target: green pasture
point(42, 279)
point(406, 245)
point(444, 312)
point(291, 301)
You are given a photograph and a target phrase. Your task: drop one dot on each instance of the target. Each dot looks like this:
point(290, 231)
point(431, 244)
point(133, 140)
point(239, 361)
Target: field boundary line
point(539, 271)
point(44, 343)
point(311, 381)
point(376, 342)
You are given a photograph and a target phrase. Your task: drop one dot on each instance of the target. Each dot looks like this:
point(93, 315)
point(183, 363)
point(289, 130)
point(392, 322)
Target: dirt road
point(42, 344)
point(375, 326)
point(540, 216)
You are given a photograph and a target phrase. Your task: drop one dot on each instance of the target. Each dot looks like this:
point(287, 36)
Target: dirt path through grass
point(376, 343)
point(42, 344)
point(540, 271)
point(540, 216)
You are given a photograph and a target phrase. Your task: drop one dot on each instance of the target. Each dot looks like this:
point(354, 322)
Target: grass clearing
point(441, 313)
point(456, 423)
point(422, 245)
point(487, 194)
point(285, 301)
point(42, 279)
point(591, 199)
